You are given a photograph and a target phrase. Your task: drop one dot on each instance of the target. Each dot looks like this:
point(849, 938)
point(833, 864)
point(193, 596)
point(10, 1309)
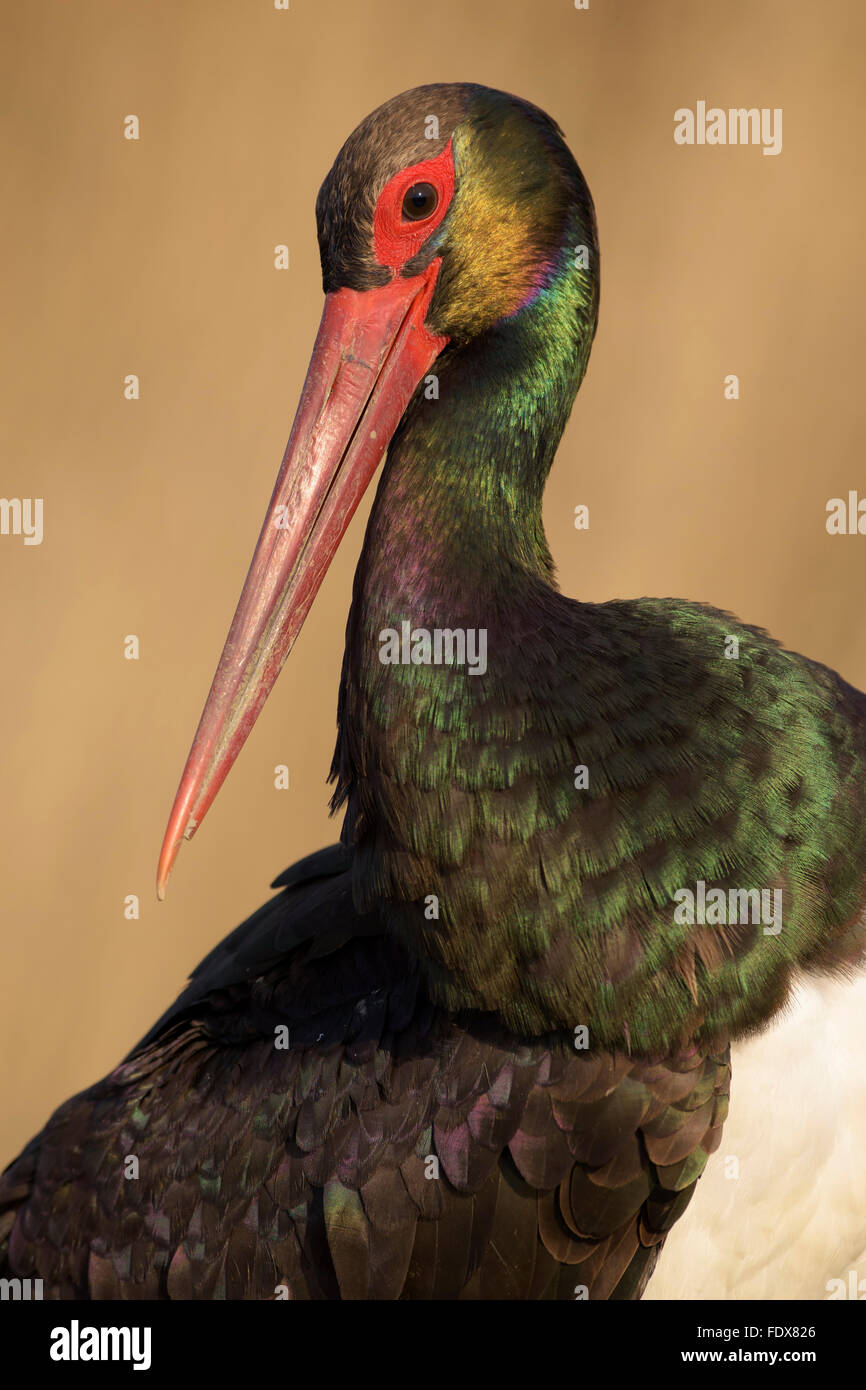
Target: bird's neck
point(459, 504)
point(457, 520)
point(441, 653)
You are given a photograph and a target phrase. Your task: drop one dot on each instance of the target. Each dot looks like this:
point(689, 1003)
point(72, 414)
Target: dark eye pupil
point(420, 200)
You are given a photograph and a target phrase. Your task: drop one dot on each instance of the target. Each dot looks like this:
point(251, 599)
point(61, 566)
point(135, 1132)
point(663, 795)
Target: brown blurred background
point(155, 257)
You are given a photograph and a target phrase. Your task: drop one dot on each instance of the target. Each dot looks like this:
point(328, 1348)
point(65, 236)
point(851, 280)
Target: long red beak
point(371, 351)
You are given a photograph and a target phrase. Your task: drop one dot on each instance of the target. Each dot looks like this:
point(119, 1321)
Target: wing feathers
point(391, 1150)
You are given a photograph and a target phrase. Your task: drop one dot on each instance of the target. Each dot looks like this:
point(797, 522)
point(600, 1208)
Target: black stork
point(480, 1048)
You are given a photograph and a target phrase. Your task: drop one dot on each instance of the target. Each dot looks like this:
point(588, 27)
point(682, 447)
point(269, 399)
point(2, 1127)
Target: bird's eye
point(411, 205)
point(419, 202)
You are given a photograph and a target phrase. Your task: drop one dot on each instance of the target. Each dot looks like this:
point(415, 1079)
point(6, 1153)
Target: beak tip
point(172, 843)
point(162, 874)
point(167, 857)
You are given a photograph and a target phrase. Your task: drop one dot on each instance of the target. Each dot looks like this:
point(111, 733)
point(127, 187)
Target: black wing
point(388, 1150)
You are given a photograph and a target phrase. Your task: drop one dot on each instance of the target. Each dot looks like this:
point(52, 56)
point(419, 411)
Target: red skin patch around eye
point(395, 240)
